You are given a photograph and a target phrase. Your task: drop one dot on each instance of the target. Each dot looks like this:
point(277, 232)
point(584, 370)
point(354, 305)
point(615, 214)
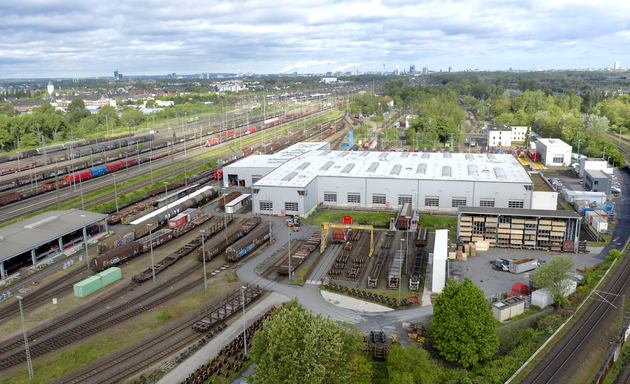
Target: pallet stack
point(529, 238)
point(465, 231)
point(544, 231)
point(503, 236)
point(556, 237)
point(479, 228)
point(492, 226)
point(516, 233)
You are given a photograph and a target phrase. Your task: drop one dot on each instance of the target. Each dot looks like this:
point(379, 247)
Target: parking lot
point(494, 281)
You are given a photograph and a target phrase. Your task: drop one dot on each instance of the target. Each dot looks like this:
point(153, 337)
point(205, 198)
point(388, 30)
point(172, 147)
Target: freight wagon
point(421, 239)
point(339, 235)
point(226, 199)
point(9, 197)
point(116, 256)
point(157, 238)
point(177, 221)
point(225, 238)
point(247, 244)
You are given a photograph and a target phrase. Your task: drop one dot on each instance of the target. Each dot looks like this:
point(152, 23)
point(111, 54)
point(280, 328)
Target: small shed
point(543, 297)
point(508, 308)
point(520, 289)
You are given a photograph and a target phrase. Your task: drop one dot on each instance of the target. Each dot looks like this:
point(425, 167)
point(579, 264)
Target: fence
point(526, 322)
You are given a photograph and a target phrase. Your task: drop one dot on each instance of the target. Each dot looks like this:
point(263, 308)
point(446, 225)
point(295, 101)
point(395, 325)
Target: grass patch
point(377, 220)
point(302, 275)
point(440, 222)
point(163, 316)
point(528, 313)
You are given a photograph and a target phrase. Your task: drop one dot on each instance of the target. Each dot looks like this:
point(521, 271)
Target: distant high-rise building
point(617, 65)
point(249, 73)
point(204, 75)
point(425, 70)
point(116, 74)
point(412, 68)
point(120, 76)
point(397, 72)
point(450, 69)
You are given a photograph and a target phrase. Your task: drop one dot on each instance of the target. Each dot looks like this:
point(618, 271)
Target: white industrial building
point(439, 261)
point(502, 136)
point(297, 184)
point(593, 164)
point(553, 151)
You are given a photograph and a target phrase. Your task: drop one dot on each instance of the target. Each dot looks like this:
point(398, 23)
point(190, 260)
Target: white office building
point(553, 152)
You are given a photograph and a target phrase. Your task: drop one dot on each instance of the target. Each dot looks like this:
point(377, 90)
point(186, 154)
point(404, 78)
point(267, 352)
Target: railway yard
point(189, 270)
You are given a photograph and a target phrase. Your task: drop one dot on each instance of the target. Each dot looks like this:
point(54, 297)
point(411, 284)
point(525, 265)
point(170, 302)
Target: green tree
point(298, 346)
point(76, 105)
point(410, 364)
point(463, 327)
point(556, 275)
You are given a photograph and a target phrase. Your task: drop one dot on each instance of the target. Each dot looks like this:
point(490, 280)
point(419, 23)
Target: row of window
point(429, 201)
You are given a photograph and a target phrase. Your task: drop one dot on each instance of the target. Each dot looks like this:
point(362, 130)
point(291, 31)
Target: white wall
point(545, 200)
point(505, 140)
point(440, 257)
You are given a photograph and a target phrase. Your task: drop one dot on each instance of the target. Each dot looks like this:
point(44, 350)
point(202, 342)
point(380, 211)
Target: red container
point(177, 221)
point(79, 176)
point(252, 129)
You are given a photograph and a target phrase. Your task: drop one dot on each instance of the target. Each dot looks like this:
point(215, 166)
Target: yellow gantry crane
point(326, 231)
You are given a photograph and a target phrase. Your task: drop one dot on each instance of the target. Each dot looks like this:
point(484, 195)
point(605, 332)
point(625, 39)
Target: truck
point(523, 265)
point(503, 264)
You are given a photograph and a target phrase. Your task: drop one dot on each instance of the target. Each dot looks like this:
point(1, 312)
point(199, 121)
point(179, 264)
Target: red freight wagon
point(218, 175)
point(128, 162)
point(79, 176)
point(51, 186)
point(113, 167)
point(177, 221)
point(252, 129)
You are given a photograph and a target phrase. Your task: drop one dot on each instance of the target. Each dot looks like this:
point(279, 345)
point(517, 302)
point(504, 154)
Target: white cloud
point(306, 64)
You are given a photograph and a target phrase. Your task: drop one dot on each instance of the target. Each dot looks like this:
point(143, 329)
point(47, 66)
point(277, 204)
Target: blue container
point(609, 207)
point(344, 144)
point(97, 171)
point(586, 210)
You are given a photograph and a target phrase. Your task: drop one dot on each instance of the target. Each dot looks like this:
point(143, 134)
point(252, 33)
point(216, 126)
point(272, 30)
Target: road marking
point(319, 282)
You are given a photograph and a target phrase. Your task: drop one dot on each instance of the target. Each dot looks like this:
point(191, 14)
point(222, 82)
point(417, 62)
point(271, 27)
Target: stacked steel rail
point(380, 259)
point(231, 304)
point(358, 262)
point(341, 261)
point(416, 269)
point(379, 344)
point(300, 255)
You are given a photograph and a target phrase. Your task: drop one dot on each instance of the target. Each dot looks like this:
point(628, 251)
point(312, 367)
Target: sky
point(50, 39)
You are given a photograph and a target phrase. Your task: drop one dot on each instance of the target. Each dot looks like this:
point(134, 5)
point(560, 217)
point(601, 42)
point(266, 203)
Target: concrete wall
point(545, 200)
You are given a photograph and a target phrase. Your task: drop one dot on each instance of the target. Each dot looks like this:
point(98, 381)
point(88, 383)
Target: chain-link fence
point(526, 322)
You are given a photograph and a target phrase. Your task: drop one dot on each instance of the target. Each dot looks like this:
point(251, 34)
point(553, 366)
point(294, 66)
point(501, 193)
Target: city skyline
point(75, 39)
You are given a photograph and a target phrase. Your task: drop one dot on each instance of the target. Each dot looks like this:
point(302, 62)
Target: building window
point(529, 187)
point(379, 199)
point(354, 198)
point(293, 207)
point(596, 182)
point(515, 203)
point(256, 190)
point(558, 159)
point(458, 202)
point(301, 193)
point(255, 178)
point(404, 199)
point(266, 205)
point(330, 197)
point(486, 203)
point(432, 201)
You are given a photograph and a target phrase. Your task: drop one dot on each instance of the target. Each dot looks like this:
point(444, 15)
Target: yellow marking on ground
point(523, 160)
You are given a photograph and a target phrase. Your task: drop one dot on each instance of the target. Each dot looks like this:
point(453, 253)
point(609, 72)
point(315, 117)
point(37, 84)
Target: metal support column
point(33, 256)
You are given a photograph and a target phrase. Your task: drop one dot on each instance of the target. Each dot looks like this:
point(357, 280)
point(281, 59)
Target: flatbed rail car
point(223, 239)
point(247, 244)
point(421, 238)
point(300, 255)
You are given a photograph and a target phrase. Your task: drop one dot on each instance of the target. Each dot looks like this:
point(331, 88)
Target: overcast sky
point(72, 38)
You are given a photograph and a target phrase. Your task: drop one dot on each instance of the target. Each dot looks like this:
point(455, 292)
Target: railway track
point(38, 202)
point(57, 287)
point(591, 328)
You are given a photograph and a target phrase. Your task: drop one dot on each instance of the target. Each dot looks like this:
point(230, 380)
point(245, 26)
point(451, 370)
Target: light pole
point(243, 288)
point(87, 259)
point(81, 190)
point(151, 242)
point(224, 210)
point(579, 146)
point(166, 193)
point(400, 279)
point(28, 353)
point(203, 247)
point(604, 153)
point(115, 192)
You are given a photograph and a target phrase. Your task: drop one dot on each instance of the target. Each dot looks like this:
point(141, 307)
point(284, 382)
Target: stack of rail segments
point(301, 254)
point(416, 270)
point(359, 260)
point(341, 261)
point(229, 305)
point(379, 345)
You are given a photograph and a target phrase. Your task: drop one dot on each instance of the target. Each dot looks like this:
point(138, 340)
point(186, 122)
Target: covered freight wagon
point(157, 238)
point(79, 176)
point(116, 256)
point(220, 241)
point(247, 244)
point(97, 171)
point(177, 221)
point(226, 199)
point(123, 237)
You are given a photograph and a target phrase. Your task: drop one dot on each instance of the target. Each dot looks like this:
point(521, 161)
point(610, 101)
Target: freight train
point(220, 242)
point(137, 231)
point(247, 244)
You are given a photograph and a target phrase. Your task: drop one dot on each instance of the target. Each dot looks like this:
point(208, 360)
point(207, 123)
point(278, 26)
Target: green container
point(88, 286)
point(110, 275)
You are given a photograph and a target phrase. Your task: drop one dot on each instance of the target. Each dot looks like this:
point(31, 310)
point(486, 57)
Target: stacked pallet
point(543, 235)
point(465, 228)
point(529, 234)
point(556, 236)
point(478, 228)
point(492, 227)
point(503, 235)
point(516, 233)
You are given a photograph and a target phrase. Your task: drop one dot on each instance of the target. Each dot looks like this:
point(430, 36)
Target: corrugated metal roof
point(290, 176)
point(347, 168)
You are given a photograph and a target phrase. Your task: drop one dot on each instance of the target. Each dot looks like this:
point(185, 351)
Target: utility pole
point(28, 353)
point(290, 274)
point(203, 247)
point(151, 241)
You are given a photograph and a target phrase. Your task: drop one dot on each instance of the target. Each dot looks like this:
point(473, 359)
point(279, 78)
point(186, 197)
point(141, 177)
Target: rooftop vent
point(347, 168)
point(469, 157)
point(289, 176)
point(303, 166)
point(324, 153)
point(38, 224)
point(344, 154)
point(383, 155)
point(364, 153)
point(326, 166)
point(404, 155)
point(447, 155)
point(491, 157)
point(372, 167)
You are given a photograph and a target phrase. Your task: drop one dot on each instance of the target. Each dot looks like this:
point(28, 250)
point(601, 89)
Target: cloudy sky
point(79, 38)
